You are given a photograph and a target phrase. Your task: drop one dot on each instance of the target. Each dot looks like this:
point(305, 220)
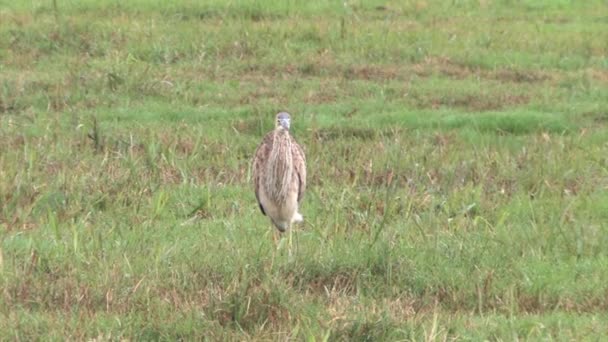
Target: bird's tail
point(297, 217)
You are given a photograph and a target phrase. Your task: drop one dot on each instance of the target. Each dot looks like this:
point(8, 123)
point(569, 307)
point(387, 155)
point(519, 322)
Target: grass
point(456, 159)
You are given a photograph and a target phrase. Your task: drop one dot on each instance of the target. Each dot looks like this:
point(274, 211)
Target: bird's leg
point(289, 245)
point(274, 236)
point(277, 244)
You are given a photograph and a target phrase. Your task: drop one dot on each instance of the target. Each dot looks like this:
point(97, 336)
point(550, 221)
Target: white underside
point(297, 218)
point(284, 215)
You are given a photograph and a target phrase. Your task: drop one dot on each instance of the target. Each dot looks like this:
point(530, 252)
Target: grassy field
point(457, 159)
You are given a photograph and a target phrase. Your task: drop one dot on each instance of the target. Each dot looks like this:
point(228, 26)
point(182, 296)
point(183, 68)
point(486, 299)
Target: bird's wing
point(260, 158)
point(299, 161)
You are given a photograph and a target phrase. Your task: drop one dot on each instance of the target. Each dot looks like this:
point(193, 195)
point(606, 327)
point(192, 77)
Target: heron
point(279, 176)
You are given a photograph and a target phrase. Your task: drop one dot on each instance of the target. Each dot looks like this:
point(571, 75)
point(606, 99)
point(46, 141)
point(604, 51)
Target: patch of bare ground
point(256, 304)
point(519, 76)
point(248, 126)
point(452, 69)
point(339, 283)
point(342, 309)
point(251, 302)
point(478, 103)
point(600, 75)
point(486, 300)
point(600, 117)
point(55, 287)
point(321, 96)
point(374, 72)
point(333, 133)
point(327, 68)
point(269, 93)
point(538, 304)
point(322, 67)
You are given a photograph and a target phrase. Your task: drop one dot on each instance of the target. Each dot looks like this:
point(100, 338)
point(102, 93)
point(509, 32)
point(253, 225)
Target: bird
point(279, 175)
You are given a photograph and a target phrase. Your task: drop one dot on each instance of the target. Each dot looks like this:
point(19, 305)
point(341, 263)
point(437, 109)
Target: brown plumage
point(279, 175)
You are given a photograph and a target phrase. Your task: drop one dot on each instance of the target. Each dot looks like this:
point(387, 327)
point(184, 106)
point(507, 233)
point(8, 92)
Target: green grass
point(457, 164)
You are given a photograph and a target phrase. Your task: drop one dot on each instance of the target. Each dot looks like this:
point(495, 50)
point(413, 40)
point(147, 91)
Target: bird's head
point(283, 120)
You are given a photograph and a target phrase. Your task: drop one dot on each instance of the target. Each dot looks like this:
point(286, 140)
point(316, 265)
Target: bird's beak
point(284, 123)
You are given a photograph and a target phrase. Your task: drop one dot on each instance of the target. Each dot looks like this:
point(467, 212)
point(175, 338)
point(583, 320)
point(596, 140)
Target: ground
point(457, 159)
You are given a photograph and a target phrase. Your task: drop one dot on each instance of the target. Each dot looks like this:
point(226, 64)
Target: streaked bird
point(279, 175)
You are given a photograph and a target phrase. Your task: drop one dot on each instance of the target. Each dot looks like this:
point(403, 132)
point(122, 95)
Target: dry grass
point(456, 157)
